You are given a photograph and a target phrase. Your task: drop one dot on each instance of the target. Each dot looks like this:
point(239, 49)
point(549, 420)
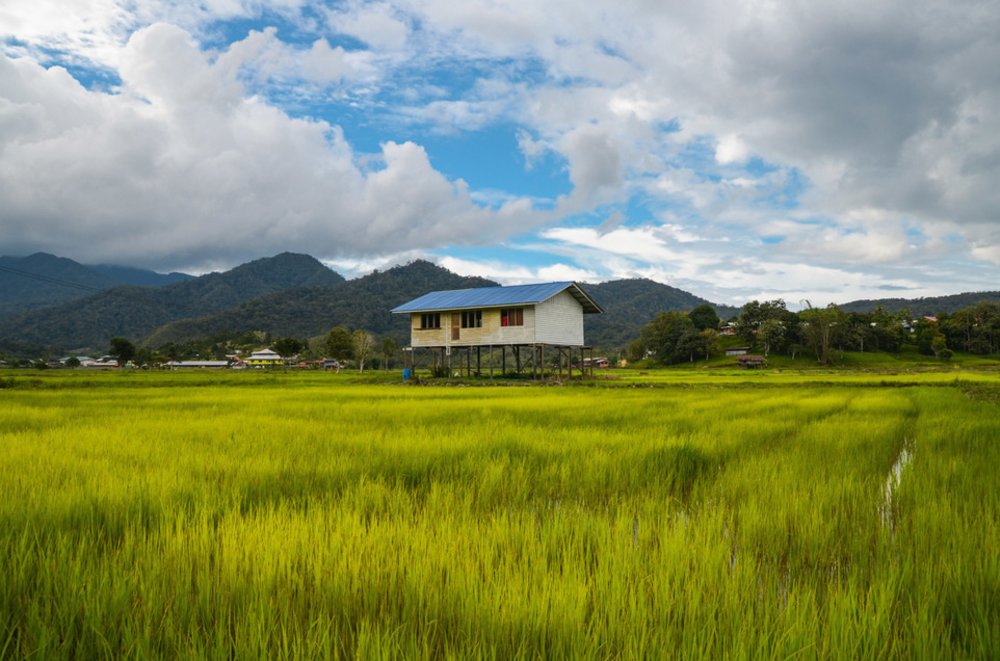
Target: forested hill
point(295, 295)
point(631, 304)
point(126, 275)
point(134, 312)
point(920, 307)
point(304, 312)
point(365, 303)
point(41, 280)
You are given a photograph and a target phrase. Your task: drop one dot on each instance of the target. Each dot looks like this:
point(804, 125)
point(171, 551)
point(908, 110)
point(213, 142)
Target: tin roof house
point(265, 358)
point(525, 319)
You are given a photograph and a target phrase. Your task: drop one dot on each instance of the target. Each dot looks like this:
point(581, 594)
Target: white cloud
point(269, 61)
point(89, 29)
point(878, 119)
point(733, 272)
point(531, 149)
point(94, 31)
point(731, 149)
point(884, 104)
point(595, 165)
point(507, 273)
point(375, 24)
point(181, 168)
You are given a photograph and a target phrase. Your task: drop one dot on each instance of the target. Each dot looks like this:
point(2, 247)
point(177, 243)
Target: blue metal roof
point(494, 297)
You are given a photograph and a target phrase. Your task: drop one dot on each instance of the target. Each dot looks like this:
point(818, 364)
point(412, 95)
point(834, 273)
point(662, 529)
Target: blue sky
point(737, 150)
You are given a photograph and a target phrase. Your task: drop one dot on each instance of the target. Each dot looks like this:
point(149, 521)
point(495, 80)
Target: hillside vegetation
point(297, 296)
point(919, 307)
point(630, 304)
point(41, 280)
point(135, 312)
point(307, 311)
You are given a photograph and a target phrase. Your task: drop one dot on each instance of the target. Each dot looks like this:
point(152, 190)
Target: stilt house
point(520, 318)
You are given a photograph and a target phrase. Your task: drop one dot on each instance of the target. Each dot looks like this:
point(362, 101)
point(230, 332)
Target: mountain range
point(134, 312)
point(54, 303)
point(42, 279)
point(919, 307)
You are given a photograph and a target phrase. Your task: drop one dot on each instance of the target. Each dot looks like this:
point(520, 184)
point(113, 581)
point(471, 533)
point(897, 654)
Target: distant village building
point(102, 363)
point(751, 361)
point(737, 351)
point(524, 319)
point(264, 358)
point(197, 364)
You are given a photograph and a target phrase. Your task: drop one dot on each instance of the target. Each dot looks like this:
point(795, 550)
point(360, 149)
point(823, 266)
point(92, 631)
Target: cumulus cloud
point(270, 61)
point(182, 167)
point(855, 137)
point(375, 24)
point(723, 272)
point(879, 104)
point(594, 160)
point(731, 149)
point(93, 31)
point(515, 274)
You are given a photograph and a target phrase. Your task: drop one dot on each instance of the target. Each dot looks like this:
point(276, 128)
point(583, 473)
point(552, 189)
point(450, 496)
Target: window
point(512, 317)
point(430, 320)
point(472, 319)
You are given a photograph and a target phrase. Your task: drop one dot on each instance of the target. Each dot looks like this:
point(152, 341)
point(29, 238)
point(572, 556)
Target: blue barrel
point(407, 373)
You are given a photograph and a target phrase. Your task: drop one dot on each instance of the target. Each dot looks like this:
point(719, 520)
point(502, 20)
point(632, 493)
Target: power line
point(48, 279)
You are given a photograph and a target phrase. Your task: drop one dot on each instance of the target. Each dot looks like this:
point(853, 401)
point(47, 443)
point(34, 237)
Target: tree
point(710, 342)
point(939, 345)
point(770, 334)
point(754, 314)
point(670, 336)
point(985, 337)
point(363, 345)
point(389, 349)
point(121, 350)
point(288, 346)
point(339, 344)
point(927, 333)
point(818, 327)
point(704, 317)
point(689, 344)
point(887, 330)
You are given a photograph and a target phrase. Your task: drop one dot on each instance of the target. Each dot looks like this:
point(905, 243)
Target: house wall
point(432, 337)
point(491, 331)
point(559, 320)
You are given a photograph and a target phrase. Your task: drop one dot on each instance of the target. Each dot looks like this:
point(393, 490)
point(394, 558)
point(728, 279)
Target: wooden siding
point(559, 320)
point(491, 331)
point(431, 337)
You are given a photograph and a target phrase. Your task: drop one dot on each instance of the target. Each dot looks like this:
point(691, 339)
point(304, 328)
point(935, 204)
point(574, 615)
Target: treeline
point(769, 327)
point(340, 343)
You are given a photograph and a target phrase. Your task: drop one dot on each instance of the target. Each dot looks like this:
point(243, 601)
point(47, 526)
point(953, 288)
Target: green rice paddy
point(674, 514)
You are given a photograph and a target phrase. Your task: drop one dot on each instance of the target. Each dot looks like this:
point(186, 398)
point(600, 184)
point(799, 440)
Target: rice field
point(320, 516)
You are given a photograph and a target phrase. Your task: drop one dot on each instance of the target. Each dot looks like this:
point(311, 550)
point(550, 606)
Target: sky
point(739, 150)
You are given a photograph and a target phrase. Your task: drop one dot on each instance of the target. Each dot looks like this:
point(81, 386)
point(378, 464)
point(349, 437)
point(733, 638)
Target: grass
point(323, 516)
point(908, 358)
